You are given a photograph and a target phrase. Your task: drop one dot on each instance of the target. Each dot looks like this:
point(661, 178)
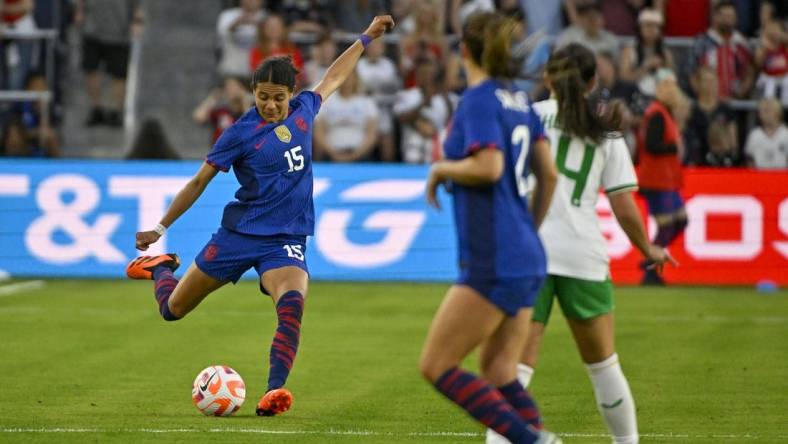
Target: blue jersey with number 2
point(273, 164)
point(495, 230)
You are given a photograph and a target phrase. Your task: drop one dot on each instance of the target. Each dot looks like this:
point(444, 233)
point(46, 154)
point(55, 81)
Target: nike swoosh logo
point(613, 405)
point(204, 387)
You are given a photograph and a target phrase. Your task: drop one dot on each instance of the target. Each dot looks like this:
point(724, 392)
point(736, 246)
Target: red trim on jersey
point(217, 166)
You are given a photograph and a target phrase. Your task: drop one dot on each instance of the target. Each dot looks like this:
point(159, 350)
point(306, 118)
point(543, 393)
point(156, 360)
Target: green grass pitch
point(91, 361)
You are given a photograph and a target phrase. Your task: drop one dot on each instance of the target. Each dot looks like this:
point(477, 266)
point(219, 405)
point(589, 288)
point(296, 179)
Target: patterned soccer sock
point(482, 401)
point(285, 344)
point(522, 402)
point(614, 400)
point(163, 284)
point(665, 235)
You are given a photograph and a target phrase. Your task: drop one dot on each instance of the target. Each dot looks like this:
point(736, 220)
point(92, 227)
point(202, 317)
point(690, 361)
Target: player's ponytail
point(488, 37)
point(570, 72)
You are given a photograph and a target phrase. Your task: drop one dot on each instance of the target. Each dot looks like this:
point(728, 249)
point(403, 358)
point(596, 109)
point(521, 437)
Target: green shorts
point(579, 298)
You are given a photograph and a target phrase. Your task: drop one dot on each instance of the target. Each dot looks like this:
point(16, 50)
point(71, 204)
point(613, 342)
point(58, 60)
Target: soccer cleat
point(142, 267)
point(546, 437)
point(275, 402)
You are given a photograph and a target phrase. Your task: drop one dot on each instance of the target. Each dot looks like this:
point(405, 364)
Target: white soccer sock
point(524, 374)
point(614, 400)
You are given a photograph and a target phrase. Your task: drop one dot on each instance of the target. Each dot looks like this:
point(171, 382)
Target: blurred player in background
point(590, 154)
point(270, 150)
point(495, 142)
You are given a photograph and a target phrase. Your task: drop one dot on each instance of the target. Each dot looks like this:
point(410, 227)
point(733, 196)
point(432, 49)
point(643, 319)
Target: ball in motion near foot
point(218, 391)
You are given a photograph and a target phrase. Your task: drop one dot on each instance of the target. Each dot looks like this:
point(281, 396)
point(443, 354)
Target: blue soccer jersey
point(273, 164)
point(496, 234)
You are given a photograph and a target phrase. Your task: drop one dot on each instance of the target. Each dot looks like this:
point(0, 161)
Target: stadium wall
point(77, 218)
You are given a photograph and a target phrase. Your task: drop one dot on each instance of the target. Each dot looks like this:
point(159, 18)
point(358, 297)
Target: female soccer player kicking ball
point(589, 155)
point(494, 141)
point(270, 150)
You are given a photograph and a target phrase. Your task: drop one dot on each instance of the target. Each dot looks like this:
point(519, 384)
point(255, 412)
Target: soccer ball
point(218, 391)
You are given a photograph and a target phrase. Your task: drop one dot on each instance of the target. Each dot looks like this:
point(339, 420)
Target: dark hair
point(151, 142)
point(570, 71)
point(659, 47)
point(723, 4)
point(278, 70)
point(488, 37)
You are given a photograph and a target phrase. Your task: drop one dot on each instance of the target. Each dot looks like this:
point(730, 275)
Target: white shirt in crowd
point(415, 147)
point(346, 119)
point(768, 152)
point(571, 232)
point(382, 81)
point(235, 45)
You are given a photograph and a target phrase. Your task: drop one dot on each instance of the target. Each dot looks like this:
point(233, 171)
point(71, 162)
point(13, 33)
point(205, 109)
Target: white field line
point(332, 432)
point(19, 287)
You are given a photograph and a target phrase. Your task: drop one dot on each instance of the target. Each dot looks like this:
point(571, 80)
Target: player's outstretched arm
point(182, 202)
point(346, 62)
point(544, 170)
point(628, 216)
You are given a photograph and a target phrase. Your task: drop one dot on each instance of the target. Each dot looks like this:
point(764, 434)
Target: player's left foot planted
point(143, 266)
point(275, 402)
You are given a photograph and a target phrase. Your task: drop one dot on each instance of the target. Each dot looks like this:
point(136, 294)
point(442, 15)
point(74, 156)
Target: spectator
point(621, 15)
point(726, 51)
point(17, 55)
point(723, 152)
point(107, 26)
point(543, 16)
point(684, 18)
point(18, 141)
point(707, 109)
point(323, 51)
point(659, 169)
point(423, 111)
point(379, 76)
point(354, 15)
point(641, 61)
point(39, 129)
point(346, 129)
point(237, 32)
point(426, 41)
point(590, 30)
point(610, 88)
point(771, 58)
point(310, 16)
point(272, 40)
point(460, 10)
point(152, 142)
point(223, 106)
point(767, 145)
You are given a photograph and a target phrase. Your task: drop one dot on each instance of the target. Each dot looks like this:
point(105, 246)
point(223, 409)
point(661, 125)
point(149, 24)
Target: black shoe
point(96, 117)
point(652, 278)
point(114, 119)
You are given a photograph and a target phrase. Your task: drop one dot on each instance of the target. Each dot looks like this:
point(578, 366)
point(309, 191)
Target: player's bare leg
point(595, 341)
point(191, 289)
point(464, 320)
point(288, 287)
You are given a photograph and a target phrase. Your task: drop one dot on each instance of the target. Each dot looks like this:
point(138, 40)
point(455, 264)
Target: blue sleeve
point(536, 126)
point(485, 131)
point(310, 100)
point(453, 147)
point(226, 150)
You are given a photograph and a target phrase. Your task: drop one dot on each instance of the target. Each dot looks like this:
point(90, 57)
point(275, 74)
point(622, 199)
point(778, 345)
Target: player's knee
point(172, 311)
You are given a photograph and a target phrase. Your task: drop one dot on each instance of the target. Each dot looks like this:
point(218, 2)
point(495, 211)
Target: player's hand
point(379, 26)
point(659, 256)
point(145, 238)
point(434, 179)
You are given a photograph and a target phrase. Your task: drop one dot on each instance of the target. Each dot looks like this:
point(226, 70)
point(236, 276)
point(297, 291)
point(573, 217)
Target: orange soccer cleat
point(142, 267)
point(275, 402)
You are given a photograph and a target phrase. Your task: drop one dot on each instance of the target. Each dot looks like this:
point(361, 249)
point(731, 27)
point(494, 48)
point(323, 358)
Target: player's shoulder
point(549, 106)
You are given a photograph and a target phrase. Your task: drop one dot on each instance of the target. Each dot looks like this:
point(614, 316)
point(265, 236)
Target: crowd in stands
point(725, 56)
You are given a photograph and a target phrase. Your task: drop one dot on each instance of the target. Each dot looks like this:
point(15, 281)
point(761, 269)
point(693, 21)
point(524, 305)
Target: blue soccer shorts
point(508, 294)
point(228, 255)
point(662, 202)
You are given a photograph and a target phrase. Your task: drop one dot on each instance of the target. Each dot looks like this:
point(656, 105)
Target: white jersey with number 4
point(571, 233)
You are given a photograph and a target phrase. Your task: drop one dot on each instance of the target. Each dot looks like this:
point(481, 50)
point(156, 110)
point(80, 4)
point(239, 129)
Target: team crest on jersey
point(283, 134)
point(211, 252)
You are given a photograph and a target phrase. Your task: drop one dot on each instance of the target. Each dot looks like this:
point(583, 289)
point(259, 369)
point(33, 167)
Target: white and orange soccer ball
point(218, 391)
